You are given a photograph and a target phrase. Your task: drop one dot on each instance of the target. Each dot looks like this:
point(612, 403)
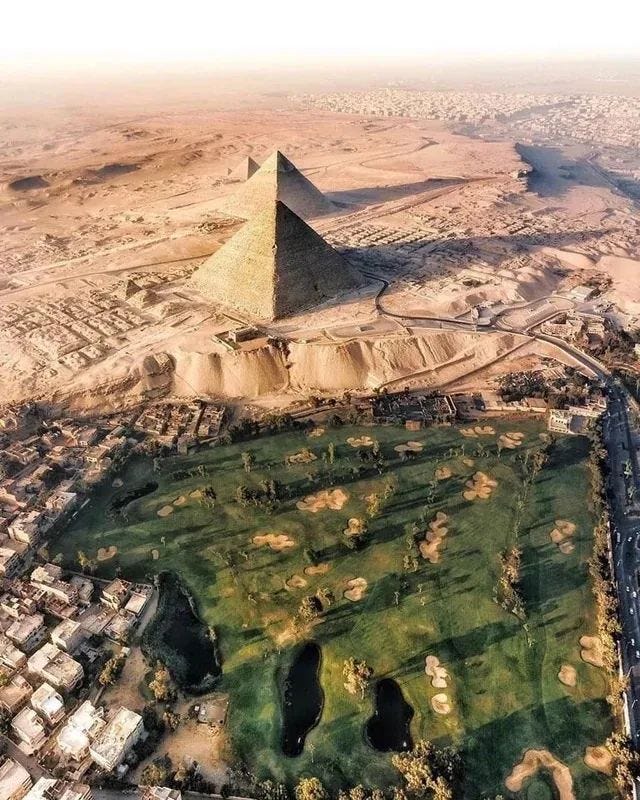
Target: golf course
point(306, 548)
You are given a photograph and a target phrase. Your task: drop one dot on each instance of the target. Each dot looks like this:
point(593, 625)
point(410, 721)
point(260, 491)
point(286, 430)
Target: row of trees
point(507, 592)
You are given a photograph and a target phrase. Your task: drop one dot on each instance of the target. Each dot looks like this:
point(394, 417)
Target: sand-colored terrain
point(568, 675)
point(107, 553)
point(303, 457)
point(276, 541)
point(434, 537)
point(561, 535)
point(165, 511)
point(332, 499)
point(317, 569)
point(481, 487)
point(510, 440)
point(599, 758)
point(534, 760)
point(440, 704)
point(360, 441)
point(296, 582)
point(434, 670)
point(409, 447)
point(355, 589)
point(591, 650)
point(442, 473)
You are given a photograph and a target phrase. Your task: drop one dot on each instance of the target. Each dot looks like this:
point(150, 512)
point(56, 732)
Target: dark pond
point(123, 500)
point(181, 640)
point(302, 699)
point(388, 728)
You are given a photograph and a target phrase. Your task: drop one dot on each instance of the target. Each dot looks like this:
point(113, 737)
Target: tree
point(326, 596)
point(428, 770)
point(157, 772)
point(310, 789)
point(85, 563)
point(357, 676)
point(111, 670)
point(310, 608)
point(161, 686)
point(248, 460)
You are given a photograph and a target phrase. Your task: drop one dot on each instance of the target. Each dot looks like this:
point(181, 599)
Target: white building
point(15, 781)
point(110, 747)
point(80, 730)
point(29, 729)
point(56, 667)
point(68, 635)
point(54, 789)
point(48, 703)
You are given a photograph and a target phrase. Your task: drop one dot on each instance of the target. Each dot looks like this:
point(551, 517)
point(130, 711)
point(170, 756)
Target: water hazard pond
point(388, 728)
point(302, 699)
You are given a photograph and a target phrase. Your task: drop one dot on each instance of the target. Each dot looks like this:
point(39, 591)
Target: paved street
point(621, 438)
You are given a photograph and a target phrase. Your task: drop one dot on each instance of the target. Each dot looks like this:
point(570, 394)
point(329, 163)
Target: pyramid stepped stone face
point(275, 266)
point(277, 179)
point(245, 169)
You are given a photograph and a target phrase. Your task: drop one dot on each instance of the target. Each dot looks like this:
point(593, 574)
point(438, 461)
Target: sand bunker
point(413, 447)
point(303, 457)
point(155, 554)
point(436, 672)
point(511, 440)
point(479, 487)
point(356, 589)
point(599, 759)
point(479, 430)
point(196, 494)
point(333, 499)
point(180, 501)
point(165, 511)
point(442, 473)
point(316, 433)
point(317, 569)
point(107, 553)
point(296, 582)
point(591, 651)
point(360, 441)
point(440, 703)
point(276, 541)
point(468, 462)
point(354, 527)
point(567, 675)
point(561, 535)
point(534, 760)
point(117, 483)
point(430, 547)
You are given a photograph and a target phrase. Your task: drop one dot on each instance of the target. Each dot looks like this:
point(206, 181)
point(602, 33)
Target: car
point(627, 588)
point(631, 611)
point(630, 539)
point(634, 595)
point(633, 642)
point(638, 654)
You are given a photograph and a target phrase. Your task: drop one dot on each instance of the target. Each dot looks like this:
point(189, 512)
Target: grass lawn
point(503, 687)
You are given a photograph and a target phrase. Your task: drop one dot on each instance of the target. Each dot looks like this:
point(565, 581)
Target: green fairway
point(503, 688)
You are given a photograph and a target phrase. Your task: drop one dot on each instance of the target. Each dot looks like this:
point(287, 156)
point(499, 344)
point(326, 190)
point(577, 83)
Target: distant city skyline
point(70, 33)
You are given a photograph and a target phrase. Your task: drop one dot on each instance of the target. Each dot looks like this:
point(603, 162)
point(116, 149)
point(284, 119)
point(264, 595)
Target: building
point(80, 730)
point(27, 632)
point(15, 694)
point(10, 656)
point(116, 593)
point(48, 578)
point(54, 789)
point(48, 703)
point(158, 793)
point(29, 729)
point(11, 562)
point(15, 781)
point(110, 747)
point(28, 527)
point(56, 667)
point(68, 635)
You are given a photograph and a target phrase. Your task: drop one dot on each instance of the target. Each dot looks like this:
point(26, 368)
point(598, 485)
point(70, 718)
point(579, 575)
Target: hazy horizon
point(69, 35)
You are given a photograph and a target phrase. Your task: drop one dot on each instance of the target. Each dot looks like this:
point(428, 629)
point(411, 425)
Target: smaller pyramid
point(278, 179)
point(244, 170)
point(275, 266)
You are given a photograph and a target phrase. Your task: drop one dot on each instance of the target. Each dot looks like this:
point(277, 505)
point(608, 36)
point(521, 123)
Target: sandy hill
point(245, 169)
point(275, 265)
point(277, 179)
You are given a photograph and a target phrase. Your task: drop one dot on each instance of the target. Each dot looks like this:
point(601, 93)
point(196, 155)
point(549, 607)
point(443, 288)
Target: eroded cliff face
point(358, 364)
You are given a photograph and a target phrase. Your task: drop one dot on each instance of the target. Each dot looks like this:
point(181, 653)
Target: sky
point(94, 34)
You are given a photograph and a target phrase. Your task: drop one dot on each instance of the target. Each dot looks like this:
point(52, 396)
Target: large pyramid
point(245, 169)
point(277, 179)
point(275, 265)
